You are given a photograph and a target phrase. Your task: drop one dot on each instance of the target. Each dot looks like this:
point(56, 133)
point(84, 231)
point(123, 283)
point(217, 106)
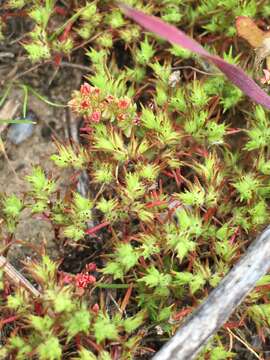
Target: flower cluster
point(82, 279)
point(88, 102)
point(93, 105)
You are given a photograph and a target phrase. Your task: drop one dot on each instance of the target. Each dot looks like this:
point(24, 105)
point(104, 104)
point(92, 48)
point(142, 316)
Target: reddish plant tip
point(95, 308)
point(85, 89)
point(121, 117)
point(90, 267)
point(85, 104)
point(95, 117)
point(67, 279)
point(96, 91)
point(60, 10)
point(136, 120)
point(123, 104)
point(83, 280)
point(57, 59)
point(96, 228)
point(110, 98)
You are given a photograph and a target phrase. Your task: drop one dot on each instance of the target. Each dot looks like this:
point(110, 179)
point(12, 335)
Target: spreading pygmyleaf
point(50, 349)
point(105, 329)
point(78, 322)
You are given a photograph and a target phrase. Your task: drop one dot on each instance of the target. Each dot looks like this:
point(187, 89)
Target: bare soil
point(16, 161)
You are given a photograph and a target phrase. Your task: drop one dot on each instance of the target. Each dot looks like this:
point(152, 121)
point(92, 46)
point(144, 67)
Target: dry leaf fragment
point(16, 277)
point(248, 30)
point(8, 112)
point(258, 39)
point(263, 52)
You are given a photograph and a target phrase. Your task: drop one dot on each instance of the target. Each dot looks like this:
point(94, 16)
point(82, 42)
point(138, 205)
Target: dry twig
point(214, 312)
point(17, 278)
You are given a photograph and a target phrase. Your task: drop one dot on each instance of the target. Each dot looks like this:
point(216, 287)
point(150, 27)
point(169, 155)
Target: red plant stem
point(192, 258)
point(167, 173)
point(156, 203)
point(57, 59)
point(209, 214)
point(116, 353)
point(86, 129)
point(182, 313)
point(9, 320)
point(21, 13)
point(93, 344)
point(66, 32)
point(232, 239)
point(38, 308)
point(261, 334)
point(126, 298)
point(262, 287)
point(233, 131)
point(233, 324)
point(62, 38)
point(178, 175)
point(176, 178)
point(160, 187)
point(60, 10)
point(143, 263)
point(78, 341)
point(154, 194)
point(96, 228)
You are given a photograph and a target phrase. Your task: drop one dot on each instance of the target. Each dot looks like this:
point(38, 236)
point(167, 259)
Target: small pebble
point(18, 133)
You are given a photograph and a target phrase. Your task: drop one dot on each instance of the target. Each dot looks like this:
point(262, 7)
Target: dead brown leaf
point(258, 39)
point(248, 30)
point(8, 112)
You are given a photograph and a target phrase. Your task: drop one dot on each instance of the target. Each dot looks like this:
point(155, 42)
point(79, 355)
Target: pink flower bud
point(136, 120)
point(121, 117)
point(95, 308)
point(83, 280)
point(91, 279)
point(85, 104)
point(110, 98)
point(123, 104)
point(86, 89)
point(86, 129)
point(67, 279)
point(96, 91)
point(80, 281)
point(96, 115)
point(90, 267)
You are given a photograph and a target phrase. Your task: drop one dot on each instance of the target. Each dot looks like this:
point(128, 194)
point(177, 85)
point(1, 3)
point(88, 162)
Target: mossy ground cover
point(178, 162)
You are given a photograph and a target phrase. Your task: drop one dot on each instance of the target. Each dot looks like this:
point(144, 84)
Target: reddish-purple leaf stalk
point(97, 227)
point(173, 35)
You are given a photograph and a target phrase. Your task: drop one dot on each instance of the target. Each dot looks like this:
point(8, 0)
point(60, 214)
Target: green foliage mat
point(179, 183)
